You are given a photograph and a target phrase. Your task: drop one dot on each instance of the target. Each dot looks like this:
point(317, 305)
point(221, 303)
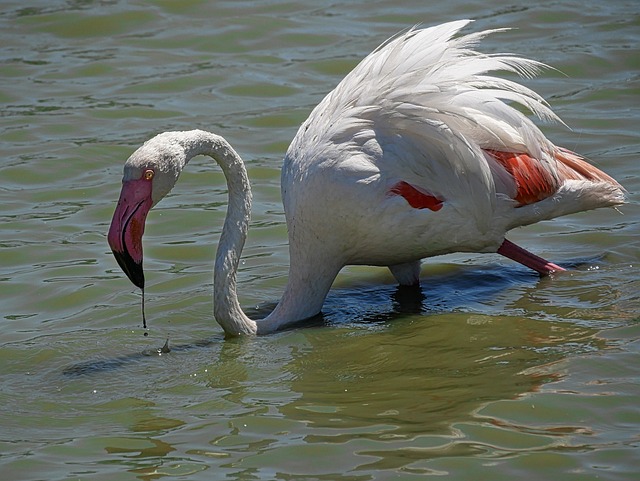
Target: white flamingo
point(414, 154)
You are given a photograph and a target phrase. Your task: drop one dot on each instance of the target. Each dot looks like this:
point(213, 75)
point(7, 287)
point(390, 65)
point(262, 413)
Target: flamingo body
point(414, 154)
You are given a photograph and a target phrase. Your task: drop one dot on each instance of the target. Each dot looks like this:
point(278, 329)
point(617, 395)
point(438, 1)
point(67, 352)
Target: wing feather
point(428, 102)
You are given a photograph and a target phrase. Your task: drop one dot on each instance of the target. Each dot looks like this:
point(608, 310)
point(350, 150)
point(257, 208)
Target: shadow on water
point(102, 365)
point(375, 304)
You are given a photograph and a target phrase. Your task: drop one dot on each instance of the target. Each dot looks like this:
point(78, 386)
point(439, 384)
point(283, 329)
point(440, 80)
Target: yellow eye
point(148, 174)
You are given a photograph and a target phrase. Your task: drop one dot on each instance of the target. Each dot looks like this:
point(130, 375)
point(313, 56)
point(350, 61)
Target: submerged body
point(414, 154)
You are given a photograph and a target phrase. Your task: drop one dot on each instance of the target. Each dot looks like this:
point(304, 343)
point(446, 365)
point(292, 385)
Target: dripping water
point(144, 319)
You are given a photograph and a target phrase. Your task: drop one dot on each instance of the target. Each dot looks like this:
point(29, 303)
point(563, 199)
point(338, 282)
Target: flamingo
point(417, 152)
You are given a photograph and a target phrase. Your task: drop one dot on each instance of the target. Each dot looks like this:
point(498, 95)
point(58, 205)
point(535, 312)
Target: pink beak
point(127, 227)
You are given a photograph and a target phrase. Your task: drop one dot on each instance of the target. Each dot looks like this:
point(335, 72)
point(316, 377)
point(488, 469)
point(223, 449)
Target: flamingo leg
point(524, 257)
point(407, 274)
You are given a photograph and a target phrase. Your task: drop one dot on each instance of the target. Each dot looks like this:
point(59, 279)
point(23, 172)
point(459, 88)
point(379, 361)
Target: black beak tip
point(131, 268)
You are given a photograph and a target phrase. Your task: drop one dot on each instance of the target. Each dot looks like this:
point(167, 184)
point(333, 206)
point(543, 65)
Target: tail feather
point(572, 166)
point(580, 187)
point(533, 180)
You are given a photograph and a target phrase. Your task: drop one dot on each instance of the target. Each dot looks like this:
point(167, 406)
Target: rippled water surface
point(488, 373)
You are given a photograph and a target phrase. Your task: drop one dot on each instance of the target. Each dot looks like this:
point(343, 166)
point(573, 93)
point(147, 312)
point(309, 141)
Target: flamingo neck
point(226, 306)
point(301, 298)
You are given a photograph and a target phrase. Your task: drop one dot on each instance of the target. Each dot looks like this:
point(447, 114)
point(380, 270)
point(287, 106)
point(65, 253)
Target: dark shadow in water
point(102, 365)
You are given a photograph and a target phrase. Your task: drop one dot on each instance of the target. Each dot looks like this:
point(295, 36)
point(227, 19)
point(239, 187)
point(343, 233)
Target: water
point(491, 374)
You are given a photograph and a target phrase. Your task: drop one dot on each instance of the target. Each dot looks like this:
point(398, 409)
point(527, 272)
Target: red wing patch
point(416, 198)
point(533, 181)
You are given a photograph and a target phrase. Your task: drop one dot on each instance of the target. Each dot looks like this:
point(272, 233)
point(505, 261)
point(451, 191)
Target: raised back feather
point(428, 74)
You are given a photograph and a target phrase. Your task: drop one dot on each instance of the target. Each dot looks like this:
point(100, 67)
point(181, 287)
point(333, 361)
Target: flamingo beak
point(127, 227)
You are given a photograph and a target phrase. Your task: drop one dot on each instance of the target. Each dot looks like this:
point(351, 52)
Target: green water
point(492, 374)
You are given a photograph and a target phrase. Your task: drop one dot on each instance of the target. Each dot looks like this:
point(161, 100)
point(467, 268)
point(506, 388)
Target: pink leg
point(524, 257)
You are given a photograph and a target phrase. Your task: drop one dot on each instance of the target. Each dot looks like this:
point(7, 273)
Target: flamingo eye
point(148, 174)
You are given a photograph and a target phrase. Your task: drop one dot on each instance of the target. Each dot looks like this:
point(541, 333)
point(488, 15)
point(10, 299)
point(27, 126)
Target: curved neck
point(226, 306)
point(307, 285)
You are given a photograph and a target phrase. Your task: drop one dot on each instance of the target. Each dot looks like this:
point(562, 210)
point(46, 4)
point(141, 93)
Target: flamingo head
point(149, 174)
